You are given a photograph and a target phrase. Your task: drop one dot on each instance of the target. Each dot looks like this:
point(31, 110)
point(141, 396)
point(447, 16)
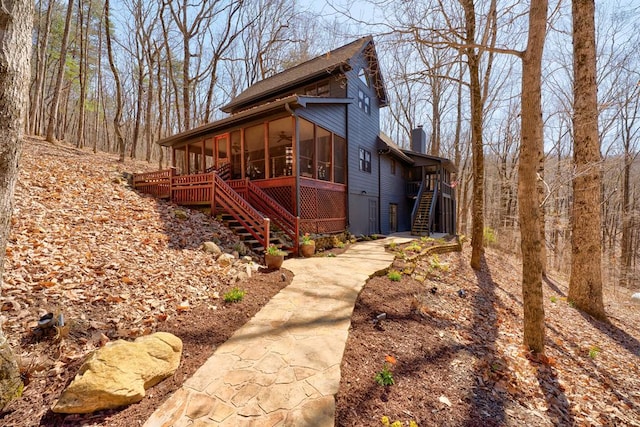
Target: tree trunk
point(531, 149)
point(53, 114)
point(16, 21)
point(477, 210)
point(117, 118)
point(585, 284)
point(82, 78)
point(36, 118)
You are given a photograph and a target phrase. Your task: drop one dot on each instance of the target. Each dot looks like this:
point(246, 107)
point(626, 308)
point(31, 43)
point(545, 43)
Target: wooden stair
point(251, 213)
point(420, 226)
point(275, 237)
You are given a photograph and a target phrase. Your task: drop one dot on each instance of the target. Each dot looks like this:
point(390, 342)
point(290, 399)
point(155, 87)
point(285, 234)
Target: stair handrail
point(414, 212)
point(241, 210)
point(287, 222)
point(432, 208)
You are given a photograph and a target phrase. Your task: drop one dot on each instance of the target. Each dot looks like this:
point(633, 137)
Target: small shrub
point(489, 236)
point(436, 264)
point(393, 245)
point(234, 295)
point(593, 351)
point(394, 276)
point(385, 377)
point(415, 247)
point(554, 299)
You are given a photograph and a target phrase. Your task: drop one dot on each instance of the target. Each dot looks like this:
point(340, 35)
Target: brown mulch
point(119, 265)
point(459, 360)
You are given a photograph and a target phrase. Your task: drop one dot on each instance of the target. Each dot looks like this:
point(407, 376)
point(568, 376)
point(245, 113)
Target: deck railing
point(287, 222)
point(157, 183)
point(252, 220)
point(209, 189)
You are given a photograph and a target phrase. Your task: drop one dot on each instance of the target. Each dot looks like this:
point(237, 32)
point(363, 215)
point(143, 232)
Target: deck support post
point(213, 194)
point(172, 173)
point(267, 232)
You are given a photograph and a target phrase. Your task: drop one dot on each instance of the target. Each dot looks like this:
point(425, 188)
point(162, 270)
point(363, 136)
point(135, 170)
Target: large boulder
point(212, 248)
point(119, 373)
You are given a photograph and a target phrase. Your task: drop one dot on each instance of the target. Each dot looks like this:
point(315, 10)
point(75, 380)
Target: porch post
point(296, 165)
point(186, 160)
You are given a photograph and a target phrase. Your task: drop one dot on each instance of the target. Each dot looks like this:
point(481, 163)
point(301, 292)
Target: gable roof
point(324, 64)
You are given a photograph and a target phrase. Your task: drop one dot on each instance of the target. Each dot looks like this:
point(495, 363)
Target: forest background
point(164, 67)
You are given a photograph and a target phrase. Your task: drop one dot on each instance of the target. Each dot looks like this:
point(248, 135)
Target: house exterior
point(308, 140)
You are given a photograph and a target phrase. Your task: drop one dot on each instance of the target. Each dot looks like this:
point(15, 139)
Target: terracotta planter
point(307, 250)
point(273, 261)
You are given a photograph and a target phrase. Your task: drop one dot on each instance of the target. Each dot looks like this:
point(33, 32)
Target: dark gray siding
point(392, 190)
point(331, 117)
point(362, 132)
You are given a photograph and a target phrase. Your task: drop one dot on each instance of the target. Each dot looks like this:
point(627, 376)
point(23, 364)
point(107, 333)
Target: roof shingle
point(323, 64)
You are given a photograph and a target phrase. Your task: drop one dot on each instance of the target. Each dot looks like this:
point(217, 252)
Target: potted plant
point(307, 246)
point(274, 257)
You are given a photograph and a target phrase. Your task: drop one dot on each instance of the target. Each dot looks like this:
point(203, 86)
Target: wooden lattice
point(322, 210)
point(282, 195)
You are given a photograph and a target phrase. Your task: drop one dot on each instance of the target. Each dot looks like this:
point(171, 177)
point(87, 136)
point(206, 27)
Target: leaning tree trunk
point(531, 149)
point(55, 103)
point(585, 284)
point(16, 21)
point(117, 119)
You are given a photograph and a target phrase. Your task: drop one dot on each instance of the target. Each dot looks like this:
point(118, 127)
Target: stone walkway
point(282, 368)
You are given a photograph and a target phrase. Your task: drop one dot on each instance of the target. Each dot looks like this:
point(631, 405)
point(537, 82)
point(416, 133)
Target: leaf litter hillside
point(115, 264)
point(454, 339)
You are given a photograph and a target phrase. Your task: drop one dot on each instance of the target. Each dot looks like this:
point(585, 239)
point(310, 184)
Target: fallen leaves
point(114, 262)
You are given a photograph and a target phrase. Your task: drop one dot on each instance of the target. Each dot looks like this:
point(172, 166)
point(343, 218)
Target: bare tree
point(585, 285)
point(55, 103)
point(16, 20)
point(36, 114)
point(477, 148)
point(117, 118)
point(531, 153)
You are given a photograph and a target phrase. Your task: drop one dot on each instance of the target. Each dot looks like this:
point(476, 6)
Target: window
point(307, 148)
point(322, 153)
point(364, 102)
point(339, 159)
point(318, 89)
point(254, 152)
point(323, 139)
point(280, 147)
point(393, 166)
point(363, 76)
point(365, 160)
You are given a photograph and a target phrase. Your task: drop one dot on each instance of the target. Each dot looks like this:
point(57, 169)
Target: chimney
point(419, 140)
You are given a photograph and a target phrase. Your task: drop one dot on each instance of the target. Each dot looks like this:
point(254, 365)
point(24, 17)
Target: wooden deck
point(256, 204)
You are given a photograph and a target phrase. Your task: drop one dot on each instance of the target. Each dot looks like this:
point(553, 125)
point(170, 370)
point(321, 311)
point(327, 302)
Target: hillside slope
point(115, 264)
point(458, 358)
